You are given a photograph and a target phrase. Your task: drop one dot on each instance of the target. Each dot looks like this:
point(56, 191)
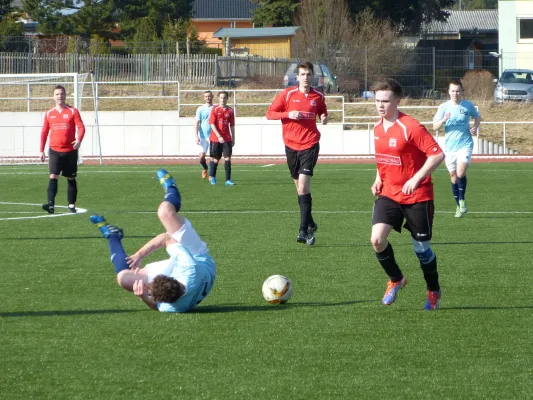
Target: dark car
point(323, 80)
point(514, 84)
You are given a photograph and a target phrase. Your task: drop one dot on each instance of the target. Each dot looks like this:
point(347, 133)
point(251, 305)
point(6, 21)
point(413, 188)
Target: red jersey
point(298, 134)
point(400, 154)
point(62, 127)
point(222, 118)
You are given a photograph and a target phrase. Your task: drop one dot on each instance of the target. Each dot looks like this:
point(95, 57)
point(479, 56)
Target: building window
point(525, 29)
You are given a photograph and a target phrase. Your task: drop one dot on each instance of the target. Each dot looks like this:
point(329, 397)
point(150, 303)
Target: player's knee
point(378, 243)
point(166, 210)
point(123, 281)
point(54, 176)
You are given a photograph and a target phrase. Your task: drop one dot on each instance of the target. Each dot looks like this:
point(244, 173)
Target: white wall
point(160, 133)
point(516, 53)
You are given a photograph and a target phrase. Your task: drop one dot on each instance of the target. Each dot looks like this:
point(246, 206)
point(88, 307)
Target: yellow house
point(264, 42)
point(209, 15)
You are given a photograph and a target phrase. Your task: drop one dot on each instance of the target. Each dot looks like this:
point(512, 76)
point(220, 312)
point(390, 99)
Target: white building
point(515, 34)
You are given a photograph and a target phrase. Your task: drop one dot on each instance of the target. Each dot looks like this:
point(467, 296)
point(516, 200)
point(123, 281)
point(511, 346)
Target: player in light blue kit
point(455, 115)
point(176, 284)
point(202, 129)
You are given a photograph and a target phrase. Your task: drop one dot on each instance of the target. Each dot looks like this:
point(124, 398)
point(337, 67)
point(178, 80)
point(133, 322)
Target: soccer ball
point(277, 289)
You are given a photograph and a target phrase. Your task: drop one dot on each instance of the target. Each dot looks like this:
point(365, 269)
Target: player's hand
point(294, 114)
point(42, 157)
point(324, 119)
point(134, 261)
point(220, 139)
point(446, 117)
point(138, 288)
point(410, 186)
point(233, 143)
point(198, 141)
point(76, 144)
point(376, 188)
point(473, 130)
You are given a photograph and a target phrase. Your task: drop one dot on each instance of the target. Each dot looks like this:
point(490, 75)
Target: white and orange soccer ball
point(277, 289)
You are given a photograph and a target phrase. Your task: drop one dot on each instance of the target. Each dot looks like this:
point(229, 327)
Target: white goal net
point(23, 100)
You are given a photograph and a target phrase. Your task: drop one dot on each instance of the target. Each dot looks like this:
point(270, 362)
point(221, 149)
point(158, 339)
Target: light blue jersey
point(202, 115)
point(457, 127)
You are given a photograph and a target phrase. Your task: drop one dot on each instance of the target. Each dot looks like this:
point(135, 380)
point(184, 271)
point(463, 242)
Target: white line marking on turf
point(79, 211)
point(318, 212)
point(268, 165)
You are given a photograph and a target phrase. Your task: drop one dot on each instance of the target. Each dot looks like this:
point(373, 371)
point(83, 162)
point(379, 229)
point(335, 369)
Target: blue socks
point(461, 183)
point(455, 191)
point(118, 255)
point(173, 197)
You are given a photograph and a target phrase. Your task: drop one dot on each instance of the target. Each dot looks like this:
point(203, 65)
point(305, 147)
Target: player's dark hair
point(305, 65)
point(60, 87)
point(456, 82)
point(389, 84)
point(165, 289)
point(223, 92)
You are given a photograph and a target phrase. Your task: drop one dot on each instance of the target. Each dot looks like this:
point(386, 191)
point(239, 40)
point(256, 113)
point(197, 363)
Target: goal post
point(23, 99)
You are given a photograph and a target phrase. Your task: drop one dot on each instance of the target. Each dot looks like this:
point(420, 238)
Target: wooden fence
point(203, 69)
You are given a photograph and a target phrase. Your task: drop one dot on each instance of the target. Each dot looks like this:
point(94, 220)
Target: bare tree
point(358, 49)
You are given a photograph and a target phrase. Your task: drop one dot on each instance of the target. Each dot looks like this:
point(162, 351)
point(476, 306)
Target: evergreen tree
point(275, 12)
point(407, 15)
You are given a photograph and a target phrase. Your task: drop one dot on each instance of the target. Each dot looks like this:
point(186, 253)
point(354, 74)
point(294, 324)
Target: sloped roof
point(465, 21)
point(223, 9)
point(255, 32)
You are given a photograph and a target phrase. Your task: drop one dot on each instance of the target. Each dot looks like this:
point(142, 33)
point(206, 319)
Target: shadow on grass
point(466, 243)
point(73, 238)
point(65, 313)
point(486, 308)
point(272, 307)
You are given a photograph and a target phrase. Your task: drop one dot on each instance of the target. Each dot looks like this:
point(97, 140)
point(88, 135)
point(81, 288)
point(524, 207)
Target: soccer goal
point(23, 99)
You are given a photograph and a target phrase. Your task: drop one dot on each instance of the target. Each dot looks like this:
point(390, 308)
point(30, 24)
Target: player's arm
point(323, 112)
point(477, 120)
point(134, 261)
point(212, 122)
point(81, 129)
point(44, 136)
point(141, 291)
point(377, 186)
point(197, 126)
point(422, 139)
point(440, 118)
point(278, 108)
point(232, 129)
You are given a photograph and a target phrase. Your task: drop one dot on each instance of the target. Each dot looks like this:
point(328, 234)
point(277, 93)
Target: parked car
point(323, 79)
point(514, 84)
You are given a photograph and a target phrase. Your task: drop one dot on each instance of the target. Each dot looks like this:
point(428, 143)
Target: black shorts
point(63, 162)
point(418, 217)
point(217, 150)
point(302, 161)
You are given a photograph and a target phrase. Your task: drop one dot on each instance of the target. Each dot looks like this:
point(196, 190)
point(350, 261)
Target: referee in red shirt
point(61, 123)
point(298, 108)
point(406, 155)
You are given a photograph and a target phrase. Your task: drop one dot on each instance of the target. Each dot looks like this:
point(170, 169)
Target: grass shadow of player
point(65, 313)
point(273, 307)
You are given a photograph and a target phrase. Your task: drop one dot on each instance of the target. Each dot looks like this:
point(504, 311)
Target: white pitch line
point(78, 211)
point(319, 212)
point(265, 166)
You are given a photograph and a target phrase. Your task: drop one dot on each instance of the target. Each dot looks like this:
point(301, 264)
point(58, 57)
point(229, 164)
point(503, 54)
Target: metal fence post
point(504, 138)
point(433, 67)
point(29, 96)
point(179, 100)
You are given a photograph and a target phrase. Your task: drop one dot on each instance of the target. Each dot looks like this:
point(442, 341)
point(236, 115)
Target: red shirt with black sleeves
point(222, 118)
point(303, 133)
point(401, 152)
point(62, 124)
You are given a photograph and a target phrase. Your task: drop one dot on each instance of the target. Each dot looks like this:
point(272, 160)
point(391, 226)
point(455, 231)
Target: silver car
point(323, 79)
point(515, 85)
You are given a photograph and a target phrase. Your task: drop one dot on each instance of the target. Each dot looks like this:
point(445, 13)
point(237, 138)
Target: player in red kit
point(406, 155)
point(222, 138)
point(298, 109)
point(61, 123)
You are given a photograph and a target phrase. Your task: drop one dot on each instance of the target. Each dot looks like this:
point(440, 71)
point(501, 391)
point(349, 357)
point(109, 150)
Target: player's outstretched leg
point(169, 184)
point(114, 236)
